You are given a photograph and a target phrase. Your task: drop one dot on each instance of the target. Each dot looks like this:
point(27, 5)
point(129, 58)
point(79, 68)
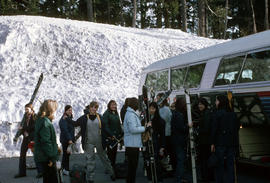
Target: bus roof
point(251, 42)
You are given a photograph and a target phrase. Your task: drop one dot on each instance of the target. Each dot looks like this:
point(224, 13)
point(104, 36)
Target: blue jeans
point(180, 159)
point(229, 153)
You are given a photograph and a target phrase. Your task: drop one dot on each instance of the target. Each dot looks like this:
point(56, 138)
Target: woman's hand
point(213, 148)
point(149, 124)
point(50, 164)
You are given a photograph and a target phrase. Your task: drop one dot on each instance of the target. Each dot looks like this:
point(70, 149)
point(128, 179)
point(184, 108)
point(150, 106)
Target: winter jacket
point(179, 129)
point(66, 130)
point(158, 125)
point(132, 129)
point(82, 122)
point(46, 148)
point(224, 130)
point(111, 122)
point(30, 128)
point(166, 115)
point(205, 127)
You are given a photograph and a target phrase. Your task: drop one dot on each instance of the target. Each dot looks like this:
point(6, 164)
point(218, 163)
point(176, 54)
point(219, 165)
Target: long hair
point(180, 105)
point(133, 103)
point(204, 102)
point(223, 103)
point(109, 105)
point(157, 120)
point(47, 109)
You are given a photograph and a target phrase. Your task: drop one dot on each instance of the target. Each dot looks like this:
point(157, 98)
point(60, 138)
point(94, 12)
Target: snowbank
point(81, 62)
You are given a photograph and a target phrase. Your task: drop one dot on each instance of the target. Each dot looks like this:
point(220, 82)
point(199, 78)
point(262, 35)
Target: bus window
point(162, 81)
point(257, 67)
point(157, 80)
point(151, 80)
point(194, 76)
point(229, 70)
point(177, 78)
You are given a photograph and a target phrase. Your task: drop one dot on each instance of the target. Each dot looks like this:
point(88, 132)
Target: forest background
point(221, 19)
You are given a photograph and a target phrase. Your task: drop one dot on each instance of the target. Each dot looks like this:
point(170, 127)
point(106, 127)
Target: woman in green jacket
point(112, 125)
point(46, 148)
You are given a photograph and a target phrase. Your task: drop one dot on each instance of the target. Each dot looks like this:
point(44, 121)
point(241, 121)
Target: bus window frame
point(166, 69)
point(247, 53)
point(197, 63)
point(187, 67)
point(220, 63)
point(242, 67)
point(175, 68)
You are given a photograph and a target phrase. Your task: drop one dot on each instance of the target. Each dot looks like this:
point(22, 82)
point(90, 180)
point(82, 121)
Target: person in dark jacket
point(93, 136)
point(66, 136)
point(27, 128)
point(112, 124)
point(224, 138)
point(158, 136)
point(179, 135)
point(46, 149)
point(204, 147)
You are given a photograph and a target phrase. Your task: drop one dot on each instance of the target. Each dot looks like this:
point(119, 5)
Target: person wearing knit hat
point(66, 136)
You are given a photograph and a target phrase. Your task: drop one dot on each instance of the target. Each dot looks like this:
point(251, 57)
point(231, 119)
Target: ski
point(36, 88)
point(19, 132)
point(191, 138)
point(148, 142)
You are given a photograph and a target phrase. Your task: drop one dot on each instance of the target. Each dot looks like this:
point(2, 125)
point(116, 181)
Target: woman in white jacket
point(132, 138)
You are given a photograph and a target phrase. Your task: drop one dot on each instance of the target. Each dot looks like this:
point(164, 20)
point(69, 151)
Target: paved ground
point(9, 167)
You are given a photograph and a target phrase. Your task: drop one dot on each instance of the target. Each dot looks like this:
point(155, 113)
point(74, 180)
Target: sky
point(81, 62)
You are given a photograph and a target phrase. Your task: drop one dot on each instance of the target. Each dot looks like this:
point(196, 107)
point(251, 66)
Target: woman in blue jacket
point(224, 138)
point(132, 138)
point(66, 136)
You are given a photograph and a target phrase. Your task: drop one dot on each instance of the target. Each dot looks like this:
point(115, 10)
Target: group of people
point(218, 133)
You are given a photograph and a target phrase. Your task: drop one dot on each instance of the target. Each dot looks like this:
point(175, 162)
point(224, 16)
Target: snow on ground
point(81, 62)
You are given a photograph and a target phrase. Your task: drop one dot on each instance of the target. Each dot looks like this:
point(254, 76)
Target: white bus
point(240, 67)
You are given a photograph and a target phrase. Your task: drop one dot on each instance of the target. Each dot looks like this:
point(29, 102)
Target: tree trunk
point(201, 14)
point(253, 17)
point(89, 6)
point(109, 12)
point(166, 14)
point(159, 14)
point(206, 24)
point(143, 13)
point(184, 15)
point(266, 20)
point(134, 13)
point(226, 18)
point(121, 14)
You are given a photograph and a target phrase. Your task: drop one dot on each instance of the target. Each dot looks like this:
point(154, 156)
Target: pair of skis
point(150, 157)
point(150, 148)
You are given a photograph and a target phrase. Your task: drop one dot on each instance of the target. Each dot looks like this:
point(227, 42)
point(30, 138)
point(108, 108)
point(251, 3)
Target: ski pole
point(191, 138)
